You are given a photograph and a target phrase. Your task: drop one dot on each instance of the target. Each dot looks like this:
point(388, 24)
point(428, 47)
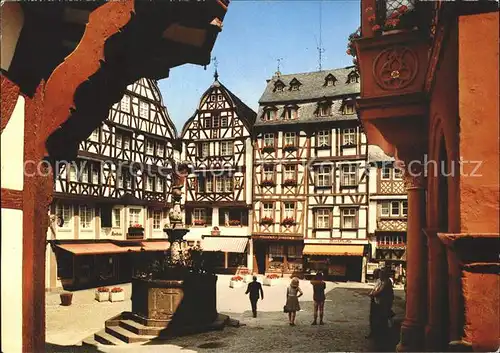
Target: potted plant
point(247, 276)
point(215, 231)
point(266, 220)
point(267, 183)
point(234, 223)
point(271, 280)
point(290, 148)
point(136, 230)
point(268, 149)
point(102, 294)
point(399, 20)
point(117, 295)
point(290, 182)
point(351, 48)
point(288, 221)
point(236, 282)
point(199, 222)
point(66, 298)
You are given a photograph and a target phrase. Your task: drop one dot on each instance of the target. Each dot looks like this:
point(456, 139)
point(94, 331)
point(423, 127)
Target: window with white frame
point(395, 208)
point(385, 209)
point(289, 209)
point(349, 218)
point(143, 109)
point(386, 173)
point(204, 149)
point(149, 183)
point(398, 174)
point(290, 138)
point(349, 175)
point(159, 184)
point(349, 136)
point(268, 172)
point(223, 121)
point(150, 147)
point(95, 135)
point(117, 219)
point(66, 213)
point(323, 176)
point(84, 173)
point(279, 87)
point(215, 121)
point(348, 109)
point(126, 142)
point(289, 172)
point(160, 149)
point(269, 140)
point(330, 81)
point(291, 113)
point(86, 217)
point(323, 138)
point(267, 209)
point(228, 184)
point(226, 148)
point(199, 214)
point(324, 109)
point(118, 140)
point(125, 104)
point(207, 123)
point(72, 173)
point(209, 184)
point(269, 114)
point(404, 208)
point(219, 184)
point(156, 219)
point(95, 174)
point(134, 216)
point(121, 180)
point(322, 218)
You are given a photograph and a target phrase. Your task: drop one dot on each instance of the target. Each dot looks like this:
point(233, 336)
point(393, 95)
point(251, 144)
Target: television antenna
point(320, 48)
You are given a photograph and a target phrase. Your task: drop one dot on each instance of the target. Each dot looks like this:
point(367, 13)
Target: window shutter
point(209, 216)
point(188, 216)
point(106, 216)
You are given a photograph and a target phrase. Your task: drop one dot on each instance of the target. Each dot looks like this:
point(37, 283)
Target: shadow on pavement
point(55, 348)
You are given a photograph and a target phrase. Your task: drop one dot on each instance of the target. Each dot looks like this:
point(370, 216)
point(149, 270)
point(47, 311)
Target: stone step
point(140, 329)
point(126, 335)
point(102, 337)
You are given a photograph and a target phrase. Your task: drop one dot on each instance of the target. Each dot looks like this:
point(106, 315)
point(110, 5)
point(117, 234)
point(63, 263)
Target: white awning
point(225, 244)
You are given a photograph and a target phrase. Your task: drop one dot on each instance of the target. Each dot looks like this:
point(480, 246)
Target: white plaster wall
point(12, 148)
point(249, 170)
point(373, 180)
point(322, 234)
point(12, 291)
point(372, 216)
point(349, 234)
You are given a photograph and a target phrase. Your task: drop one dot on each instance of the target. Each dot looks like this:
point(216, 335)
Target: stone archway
point(50, 104)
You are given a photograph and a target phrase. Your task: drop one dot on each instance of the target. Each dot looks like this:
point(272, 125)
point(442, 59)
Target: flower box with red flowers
point(136, 230)
point(290, 182)
point(199, 222)
point(267, 183)
point(288, 221)
point(268, 149)
point(271, 280)
point(117, 294)
point(234, 223)
point(267, 220)
point(102, 294)
point(290, 148)
point(236, 282)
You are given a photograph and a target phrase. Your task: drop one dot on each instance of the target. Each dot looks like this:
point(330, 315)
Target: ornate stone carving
point(395, 68)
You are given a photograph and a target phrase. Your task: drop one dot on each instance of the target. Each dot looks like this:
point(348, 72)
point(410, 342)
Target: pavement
point(346, 318)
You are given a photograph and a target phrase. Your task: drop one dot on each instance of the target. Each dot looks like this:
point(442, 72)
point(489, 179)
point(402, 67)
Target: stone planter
point(117, 296)
point(66, 299)
point(248, 278)
point(134, 232)
point(177, 303)
point(236, 284)
point(271, 282)
point(102, 296)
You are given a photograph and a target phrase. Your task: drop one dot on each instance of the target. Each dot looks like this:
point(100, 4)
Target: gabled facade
point(310, 185)
point(217, 146)
point(122, 177)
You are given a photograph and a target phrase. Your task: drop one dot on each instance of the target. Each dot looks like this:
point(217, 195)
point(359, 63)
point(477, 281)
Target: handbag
point(285, 309)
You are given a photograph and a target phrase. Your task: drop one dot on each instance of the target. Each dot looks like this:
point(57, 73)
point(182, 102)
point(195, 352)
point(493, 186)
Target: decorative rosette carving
point(395, 68)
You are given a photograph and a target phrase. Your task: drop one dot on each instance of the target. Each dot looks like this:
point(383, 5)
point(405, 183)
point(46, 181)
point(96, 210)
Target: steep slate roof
point(312, 86)
point(311, 91)
point(376, 154)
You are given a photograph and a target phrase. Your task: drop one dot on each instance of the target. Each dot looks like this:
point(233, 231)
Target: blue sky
point(254, 36)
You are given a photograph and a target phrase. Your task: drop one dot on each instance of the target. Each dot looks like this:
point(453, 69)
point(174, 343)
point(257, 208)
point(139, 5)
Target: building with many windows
point(310, 185)
point(115, 194)
point(218, 194)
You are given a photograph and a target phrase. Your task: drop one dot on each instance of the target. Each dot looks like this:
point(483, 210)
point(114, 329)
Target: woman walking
point(293, 293)
point(319, 287)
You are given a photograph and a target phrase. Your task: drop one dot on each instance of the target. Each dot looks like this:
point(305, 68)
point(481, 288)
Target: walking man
point(254, 289)
point(319, 287)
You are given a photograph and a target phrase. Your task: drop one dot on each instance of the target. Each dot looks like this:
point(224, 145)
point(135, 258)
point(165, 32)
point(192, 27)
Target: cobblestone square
point(346, 322)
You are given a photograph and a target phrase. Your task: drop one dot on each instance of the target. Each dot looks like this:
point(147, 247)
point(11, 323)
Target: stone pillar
point(413, 324)
point(437, 281)
point(250, 256)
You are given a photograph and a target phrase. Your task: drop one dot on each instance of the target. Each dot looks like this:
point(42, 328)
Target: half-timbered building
point(116, 191)
point(218, 194)
point(388, 212)
point(310, 188)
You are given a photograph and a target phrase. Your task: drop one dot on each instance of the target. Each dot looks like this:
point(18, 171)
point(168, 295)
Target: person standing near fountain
point(254, 289)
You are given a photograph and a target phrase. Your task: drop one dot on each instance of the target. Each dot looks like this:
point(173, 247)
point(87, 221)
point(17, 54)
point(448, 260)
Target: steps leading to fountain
point(126, 328)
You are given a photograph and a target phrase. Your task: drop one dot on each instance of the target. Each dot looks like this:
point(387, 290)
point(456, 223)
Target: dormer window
point(348, 108)
point(279, 86)
point(295, 85)
point(269, 114)
point(353, 77)
point(324, 109)
point(330, 80)
point(290, 113)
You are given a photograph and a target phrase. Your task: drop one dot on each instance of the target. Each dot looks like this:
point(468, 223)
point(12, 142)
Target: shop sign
point(336, 241)
point(275, 237)
point(116, 233)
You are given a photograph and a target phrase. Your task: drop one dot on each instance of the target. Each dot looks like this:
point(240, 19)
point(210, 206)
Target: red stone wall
point(479, 121)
